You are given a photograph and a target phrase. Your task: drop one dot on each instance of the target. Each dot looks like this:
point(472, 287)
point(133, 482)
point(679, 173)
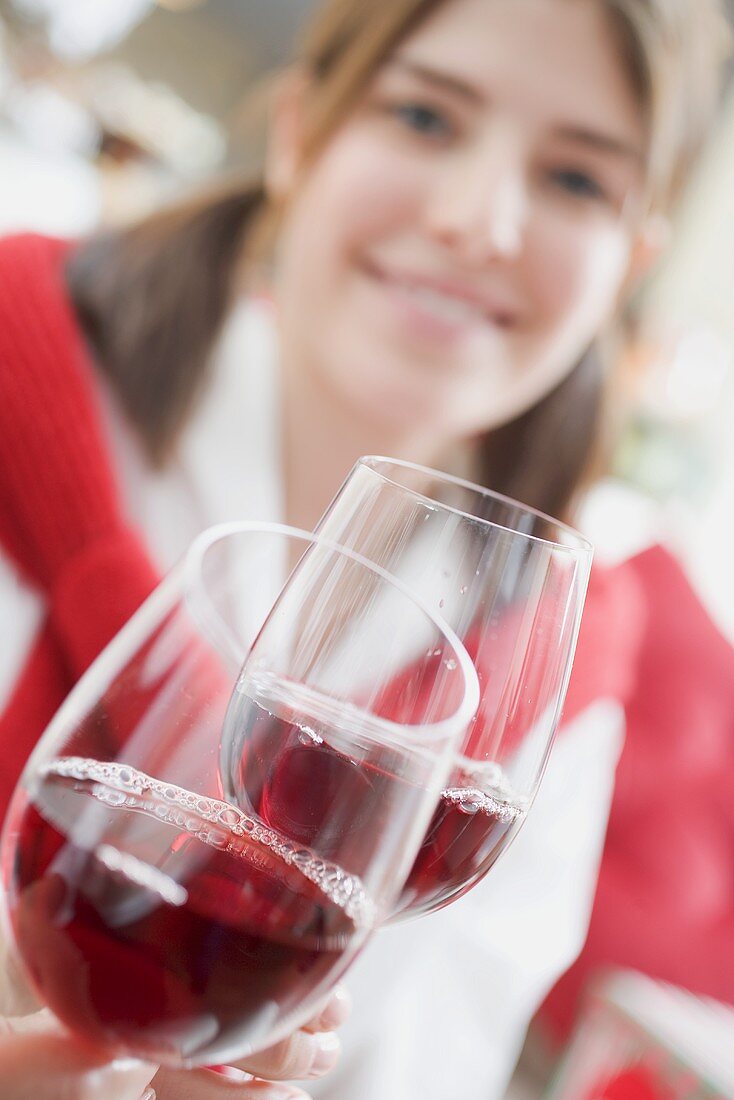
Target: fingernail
point(231, 1073)
point(149, 1094)
point(338, 1010)
point(327, 1054)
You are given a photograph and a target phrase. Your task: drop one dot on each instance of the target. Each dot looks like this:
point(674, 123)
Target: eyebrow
point(602, 142)
point(438, 78)
point(581, 135)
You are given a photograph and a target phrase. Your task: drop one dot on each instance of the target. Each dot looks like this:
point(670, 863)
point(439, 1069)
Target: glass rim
point(458, 722)
point(579, 544)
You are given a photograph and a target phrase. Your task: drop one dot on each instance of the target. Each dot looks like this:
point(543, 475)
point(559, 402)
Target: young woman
point(458, 198)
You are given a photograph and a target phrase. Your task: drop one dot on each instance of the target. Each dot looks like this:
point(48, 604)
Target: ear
point(650, 242)
point(284, 150)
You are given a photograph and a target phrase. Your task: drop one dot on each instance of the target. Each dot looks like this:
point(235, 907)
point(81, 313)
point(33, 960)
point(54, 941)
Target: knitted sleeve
point(60, 518)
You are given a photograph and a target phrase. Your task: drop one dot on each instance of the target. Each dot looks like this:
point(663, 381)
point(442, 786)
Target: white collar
point(227, 462)
point(231, 447)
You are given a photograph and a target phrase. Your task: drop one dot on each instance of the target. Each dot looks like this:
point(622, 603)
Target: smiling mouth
point(447, 306)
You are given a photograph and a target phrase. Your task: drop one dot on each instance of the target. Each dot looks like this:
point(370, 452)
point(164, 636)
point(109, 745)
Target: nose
point(479, 204)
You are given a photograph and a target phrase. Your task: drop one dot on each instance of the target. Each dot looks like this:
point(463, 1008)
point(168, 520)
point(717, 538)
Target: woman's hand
point(310, 1052)
point(39, 1061)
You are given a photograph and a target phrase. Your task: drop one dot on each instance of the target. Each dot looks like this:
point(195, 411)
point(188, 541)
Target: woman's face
point(466, 232)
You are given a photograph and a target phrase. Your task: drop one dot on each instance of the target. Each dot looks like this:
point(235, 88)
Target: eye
point(577, 183)
point(423, 119)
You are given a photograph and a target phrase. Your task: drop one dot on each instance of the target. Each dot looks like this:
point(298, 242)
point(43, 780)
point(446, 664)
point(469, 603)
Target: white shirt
point(441, 1003)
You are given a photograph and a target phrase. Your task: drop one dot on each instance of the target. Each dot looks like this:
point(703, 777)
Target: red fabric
point(639, 1082)
point(60, 517)
point(665, 899)
point(605, 666)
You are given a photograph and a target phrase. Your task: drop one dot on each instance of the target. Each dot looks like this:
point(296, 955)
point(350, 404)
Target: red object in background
point(637, 1038)
point(637, 1083)
point(665, 898)
point(605, 665)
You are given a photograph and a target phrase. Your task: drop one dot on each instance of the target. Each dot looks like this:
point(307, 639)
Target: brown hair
point(152, 298)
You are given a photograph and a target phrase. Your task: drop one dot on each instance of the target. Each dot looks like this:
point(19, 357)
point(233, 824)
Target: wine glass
point(512, 583)
point(153, 912)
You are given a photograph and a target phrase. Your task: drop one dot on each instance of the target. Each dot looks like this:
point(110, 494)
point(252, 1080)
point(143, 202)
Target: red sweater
point(60, 519)
point(665, 897)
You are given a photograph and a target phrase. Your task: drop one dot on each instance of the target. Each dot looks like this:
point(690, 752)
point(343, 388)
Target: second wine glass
point(511, 582)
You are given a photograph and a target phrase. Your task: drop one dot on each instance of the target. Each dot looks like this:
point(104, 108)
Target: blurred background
point(110, 107)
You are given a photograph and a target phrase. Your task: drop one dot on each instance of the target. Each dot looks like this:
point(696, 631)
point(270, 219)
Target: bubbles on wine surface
point(476, 818)
point(307, 736)
point(210, 821)
point(483, 785)
point(472, 800)
point(167, 923)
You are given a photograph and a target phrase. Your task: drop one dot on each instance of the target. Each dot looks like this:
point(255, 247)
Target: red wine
point(470, 828)
point(168, 924)
point(292, 776)
point(329, 778)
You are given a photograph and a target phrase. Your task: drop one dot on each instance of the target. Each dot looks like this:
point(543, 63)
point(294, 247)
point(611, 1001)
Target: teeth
point(444, 306)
